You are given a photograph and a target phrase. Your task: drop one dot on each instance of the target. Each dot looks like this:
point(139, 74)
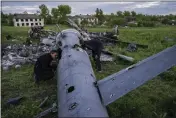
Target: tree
point(101, 17)
point(101, 12)
point(119, 13)
point(10, 19)
point(170, 16)
point(49, 20)
point(63, 10)
point(97, 12)
point(165, 21)
point(133, 13)
point(154, 18)
point(117, 21)
point(55, 12)
point(4, 18)
point(44, 11)
point(126, 13)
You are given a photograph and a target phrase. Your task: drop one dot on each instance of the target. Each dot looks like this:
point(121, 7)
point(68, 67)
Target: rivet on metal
point(73, 106)
point(112, 95)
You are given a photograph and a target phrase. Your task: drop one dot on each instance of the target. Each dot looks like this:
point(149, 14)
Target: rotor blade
point(116, 85)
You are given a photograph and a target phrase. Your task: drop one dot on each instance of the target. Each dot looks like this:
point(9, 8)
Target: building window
point(22, 20)
point(35, 19)
point(26, 19)
point(40, 19)
point(40, 24)
point(27, 24)
point(31, 20)
point(18, 24)
point(16, 20)
point(36, 23)
point(32, 24)
point(22, 24)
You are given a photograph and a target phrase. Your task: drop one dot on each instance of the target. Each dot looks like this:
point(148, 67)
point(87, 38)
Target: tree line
point(125, 18)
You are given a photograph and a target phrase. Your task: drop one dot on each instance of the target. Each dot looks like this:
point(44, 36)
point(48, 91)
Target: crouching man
point(45, 66)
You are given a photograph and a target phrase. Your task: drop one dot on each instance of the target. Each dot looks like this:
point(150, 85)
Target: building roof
point(26, 16)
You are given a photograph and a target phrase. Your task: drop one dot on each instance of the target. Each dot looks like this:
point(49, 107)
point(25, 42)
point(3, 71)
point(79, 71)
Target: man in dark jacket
point(96, 46)
point(44, 68)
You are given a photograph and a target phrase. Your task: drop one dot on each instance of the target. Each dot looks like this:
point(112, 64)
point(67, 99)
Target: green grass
point(155, 99)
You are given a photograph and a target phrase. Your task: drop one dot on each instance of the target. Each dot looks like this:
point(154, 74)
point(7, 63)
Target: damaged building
point(27, 20)
point(91, 20)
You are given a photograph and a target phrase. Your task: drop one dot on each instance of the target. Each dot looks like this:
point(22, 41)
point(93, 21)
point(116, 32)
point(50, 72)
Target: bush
point(132, 25)
point(146, 24)
point(117, 21)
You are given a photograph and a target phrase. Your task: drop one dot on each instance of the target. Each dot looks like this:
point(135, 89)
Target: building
point(27, 20)
point(91, 20)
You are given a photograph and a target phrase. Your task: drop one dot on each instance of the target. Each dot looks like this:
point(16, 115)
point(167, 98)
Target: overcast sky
point(161, 8)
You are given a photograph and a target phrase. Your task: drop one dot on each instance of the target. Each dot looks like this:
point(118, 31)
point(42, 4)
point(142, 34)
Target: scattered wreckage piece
point(18, 54)
point(124, 57)
point(14, 101)
point(169, 39)
point(106, 58)
point(127, 43)
point(47, 111)
point(131, 47)
point(109, 40)
point(38, 32)
point(166, 39)
point(50, 41)
point(43, 102)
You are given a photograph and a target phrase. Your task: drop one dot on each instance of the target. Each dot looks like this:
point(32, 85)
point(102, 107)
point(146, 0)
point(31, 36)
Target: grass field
point(155, 99)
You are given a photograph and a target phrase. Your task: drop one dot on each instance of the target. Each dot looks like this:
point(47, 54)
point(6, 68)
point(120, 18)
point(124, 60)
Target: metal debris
point(47, 111)
point(43, 102)
point(14, 101)
point(132, 47)
point(18, 54)
point(105, 57)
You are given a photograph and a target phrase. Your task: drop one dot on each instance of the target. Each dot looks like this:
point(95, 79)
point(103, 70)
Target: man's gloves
point(54, 64)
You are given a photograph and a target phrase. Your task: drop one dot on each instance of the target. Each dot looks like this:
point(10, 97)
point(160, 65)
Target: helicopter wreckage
point(79, 93)
point(15, 55)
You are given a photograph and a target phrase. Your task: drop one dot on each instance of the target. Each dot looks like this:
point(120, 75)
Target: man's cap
point(52, 51)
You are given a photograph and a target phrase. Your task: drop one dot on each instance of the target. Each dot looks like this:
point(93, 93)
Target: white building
point(27, 20)
point(92, 20)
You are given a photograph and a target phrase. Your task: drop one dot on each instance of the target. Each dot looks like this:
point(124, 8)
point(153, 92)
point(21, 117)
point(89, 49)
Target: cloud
point(20, 9)
point(90, 7)
point(77, 7)
point(110, 3)
point(143, 5)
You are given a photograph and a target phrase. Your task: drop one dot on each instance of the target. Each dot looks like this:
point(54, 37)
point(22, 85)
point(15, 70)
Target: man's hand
point(54, 63)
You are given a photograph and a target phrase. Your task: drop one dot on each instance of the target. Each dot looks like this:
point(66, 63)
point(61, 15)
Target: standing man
point(45, 66)
point(115, 32)
point(96, 46)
